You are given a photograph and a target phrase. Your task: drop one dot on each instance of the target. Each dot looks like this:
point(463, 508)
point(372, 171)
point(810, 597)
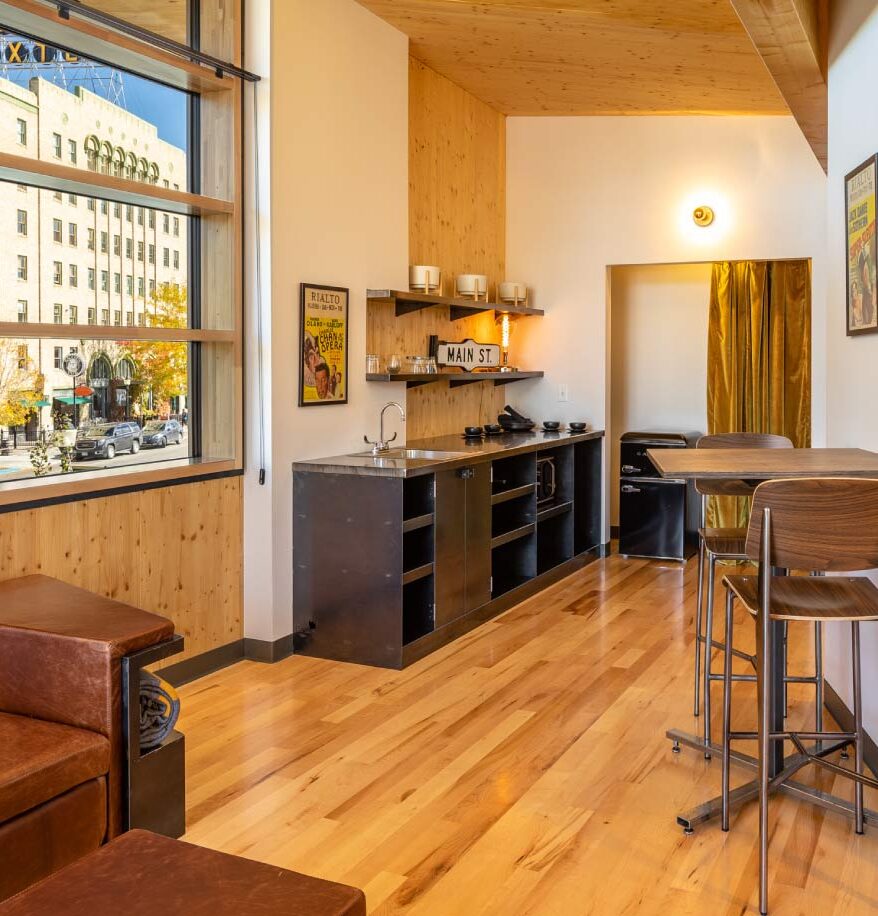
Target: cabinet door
point(450, 546)
point(478, 537)
point(463, 541)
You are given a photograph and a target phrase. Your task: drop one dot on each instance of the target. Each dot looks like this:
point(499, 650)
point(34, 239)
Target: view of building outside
point(83, 261)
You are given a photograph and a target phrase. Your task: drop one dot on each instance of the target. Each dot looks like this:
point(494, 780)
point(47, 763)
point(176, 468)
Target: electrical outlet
point(563, 393)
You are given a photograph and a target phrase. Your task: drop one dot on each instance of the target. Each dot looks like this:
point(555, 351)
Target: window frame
point(214, 200)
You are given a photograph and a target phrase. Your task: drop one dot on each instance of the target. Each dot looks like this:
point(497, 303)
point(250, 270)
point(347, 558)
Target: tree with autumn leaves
point(21, 386)
point(163, 368)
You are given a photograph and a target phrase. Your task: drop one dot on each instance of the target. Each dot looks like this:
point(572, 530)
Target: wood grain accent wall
point(176, 551)
point(457, 219)
point(457, 178)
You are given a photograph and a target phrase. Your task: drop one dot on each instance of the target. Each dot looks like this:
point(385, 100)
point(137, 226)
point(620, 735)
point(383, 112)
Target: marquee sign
point(16, 51)
point(468, 354)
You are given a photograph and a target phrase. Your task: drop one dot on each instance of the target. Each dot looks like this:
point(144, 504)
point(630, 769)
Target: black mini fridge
point(658, 517)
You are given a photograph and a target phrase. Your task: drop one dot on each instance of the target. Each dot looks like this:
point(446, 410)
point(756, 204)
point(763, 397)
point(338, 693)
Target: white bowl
point(419, 274)
point(510, 291)
point(471, 284)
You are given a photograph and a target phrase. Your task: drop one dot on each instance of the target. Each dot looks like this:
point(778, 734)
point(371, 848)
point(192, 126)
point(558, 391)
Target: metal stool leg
point(786, 640)
point(727, 707)
point(699, 610)
point(763, 675)
point(858, 723)
point(708, 650)
point(818, 673)
point(699, 635)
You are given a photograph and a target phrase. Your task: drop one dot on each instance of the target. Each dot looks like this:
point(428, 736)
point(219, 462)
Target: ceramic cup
point(471, 285)
point(551, 425)
point(420, 274)
point(510, 291)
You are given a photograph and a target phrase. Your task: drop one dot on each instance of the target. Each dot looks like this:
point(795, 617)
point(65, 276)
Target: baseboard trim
point(190, 669)
point(264, 650)
point(839, 711)
point(255, 650)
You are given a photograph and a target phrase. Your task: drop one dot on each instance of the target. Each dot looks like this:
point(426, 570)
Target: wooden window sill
point(36, 491)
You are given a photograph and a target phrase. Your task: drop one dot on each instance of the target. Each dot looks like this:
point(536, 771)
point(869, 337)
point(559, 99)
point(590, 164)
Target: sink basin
point(413, 454)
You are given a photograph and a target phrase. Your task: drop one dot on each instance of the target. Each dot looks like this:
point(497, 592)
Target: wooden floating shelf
point(455, 379)
point(508, 536)
point(419, 572)
point(553, 509)
point(405, 302)
point(516, 492)
point(419, 521)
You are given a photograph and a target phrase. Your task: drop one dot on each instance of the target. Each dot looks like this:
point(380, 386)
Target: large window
point(145, 342)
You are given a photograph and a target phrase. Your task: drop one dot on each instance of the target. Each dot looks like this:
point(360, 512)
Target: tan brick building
point(74, 260)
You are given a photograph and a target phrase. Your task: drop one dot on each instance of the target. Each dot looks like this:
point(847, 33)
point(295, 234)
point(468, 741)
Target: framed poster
point(323, 347)
point(861, 254)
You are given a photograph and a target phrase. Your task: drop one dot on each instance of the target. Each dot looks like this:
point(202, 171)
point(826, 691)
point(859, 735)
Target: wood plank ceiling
point(591, 57)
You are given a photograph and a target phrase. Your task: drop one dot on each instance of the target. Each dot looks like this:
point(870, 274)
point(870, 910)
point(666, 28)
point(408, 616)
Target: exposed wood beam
point(790, 36)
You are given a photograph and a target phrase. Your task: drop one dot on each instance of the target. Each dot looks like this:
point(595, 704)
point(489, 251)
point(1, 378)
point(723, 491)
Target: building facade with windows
point(85, 261)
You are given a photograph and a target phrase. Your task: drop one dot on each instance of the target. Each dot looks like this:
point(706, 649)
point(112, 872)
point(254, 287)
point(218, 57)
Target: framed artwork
point(323, 345)
point(862, 254)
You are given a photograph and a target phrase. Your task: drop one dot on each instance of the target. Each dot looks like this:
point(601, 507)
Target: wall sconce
point(702, 216)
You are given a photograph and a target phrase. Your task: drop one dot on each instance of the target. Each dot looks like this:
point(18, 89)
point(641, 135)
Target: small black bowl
point(578, 426)
point(472, 432)
point(551, 425)
point(493, 429)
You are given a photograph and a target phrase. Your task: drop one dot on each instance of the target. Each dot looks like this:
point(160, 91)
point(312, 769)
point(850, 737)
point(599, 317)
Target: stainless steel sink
point(413, 454)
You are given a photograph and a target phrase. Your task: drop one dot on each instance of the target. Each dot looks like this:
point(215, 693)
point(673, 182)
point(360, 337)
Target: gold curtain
point(758, 358)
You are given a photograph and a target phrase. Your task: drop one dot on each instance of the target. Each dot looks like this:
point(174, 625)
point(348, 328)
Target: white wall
point(584, 193)
point(258, 577)
point(658, 358)
point(852, 362)
point(339, 216)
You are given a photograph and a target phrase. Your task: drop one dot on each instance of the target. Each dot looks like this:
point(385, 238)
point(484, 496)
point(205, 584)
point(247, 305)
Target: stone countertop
point(464, 451)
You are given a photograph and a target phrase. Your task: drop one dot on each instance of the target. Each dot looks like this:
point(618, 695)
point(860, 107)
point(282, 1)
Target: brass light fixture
point(702, 216)
point(505, 321)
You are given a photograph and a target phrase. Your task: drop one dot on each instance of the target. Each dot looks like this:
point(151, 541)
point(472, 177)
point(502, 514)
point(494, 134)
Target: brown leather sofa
point(62, 756)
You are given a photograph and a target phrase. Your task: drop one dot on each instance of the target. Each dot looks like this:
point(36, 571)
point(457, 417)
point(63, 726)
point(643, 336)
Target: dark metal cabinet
point(463, 541)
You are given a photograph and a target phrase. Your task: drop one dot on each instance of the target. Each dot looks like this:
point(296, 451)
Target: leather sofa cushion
point(51, 606)
point(47, 838)
point(40, 760)
point(141, 874)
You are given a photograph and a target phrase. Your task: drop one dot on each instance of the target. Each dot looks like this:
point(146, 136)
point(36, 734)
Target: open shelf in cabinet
point(513, 564)
point(418, 609)
point(417, 498)
point(554, 541)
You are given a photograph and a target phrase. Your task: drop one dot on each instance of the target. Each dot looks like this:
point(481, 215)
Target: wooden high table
point(757, 465)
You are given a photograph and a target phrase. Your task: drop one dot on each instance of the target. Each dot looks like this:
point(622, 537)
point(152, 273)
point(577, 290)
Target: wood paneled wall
point(457, 219)
point(457, 178)
point(176, 551)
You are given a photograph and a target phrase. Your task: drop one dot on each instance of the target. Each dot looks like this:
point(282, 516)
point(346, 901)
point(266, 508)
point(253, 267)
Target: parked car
point(159, 433)
point(107, 440)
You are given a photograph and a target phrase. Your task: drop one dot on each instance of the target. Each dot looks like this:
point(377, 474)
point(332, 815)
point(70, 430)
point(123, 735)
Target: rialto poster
point(862, 255)
point(323, 372)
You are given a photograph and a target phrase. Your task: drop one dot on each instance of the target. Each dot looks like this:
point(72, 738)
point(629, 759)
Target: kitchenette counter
point(448, 452)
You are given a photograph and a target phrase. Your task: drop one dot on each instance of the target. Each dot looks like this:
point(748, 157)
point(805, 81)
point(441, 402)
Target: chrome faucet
point(383, 444)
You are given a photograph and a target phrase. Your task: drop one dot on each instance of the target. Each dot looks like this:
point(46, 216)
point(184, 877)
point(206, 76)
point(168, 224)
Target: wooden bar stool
point(821, 525)
point(719, 544)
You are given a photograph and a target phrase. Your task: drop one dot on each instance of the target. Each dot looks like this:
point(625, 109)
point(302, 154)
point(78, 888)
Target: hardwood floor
point(521, 770)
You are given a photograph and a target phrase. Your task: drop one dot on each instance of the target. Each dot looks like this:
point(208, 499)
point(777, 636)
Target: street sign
point(468, 354)
point(73, 364)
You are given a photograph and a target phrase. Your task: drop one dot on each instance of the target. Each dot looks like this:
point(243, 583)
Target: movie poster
point(323, 359)
point(862, 255)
